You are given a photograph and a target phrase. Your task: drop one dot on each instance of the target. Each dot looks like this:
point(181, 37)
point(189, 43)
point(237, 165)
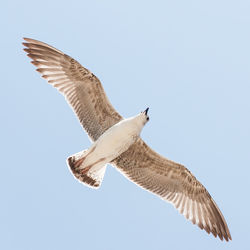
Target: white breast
point(116, 140)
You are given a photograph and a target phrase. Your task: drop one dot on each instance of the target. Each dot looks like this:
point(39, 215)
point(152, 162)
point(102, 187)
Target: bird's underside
point(167, 179)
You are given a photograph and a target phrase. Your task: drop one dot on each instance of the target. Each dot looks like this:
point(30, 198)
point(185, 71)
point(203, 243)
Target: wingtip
point(30, 40)
point(25, 44)
point(26, 39)
point(26, 50)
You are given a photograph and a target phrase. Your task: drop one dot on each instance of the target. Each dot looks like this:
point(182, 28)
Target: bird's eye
point(147, 118)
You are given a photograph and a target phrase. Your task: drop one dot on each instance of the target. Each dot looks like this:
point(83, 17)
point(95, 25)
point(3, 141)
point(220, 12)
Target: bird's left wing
point(175, 184)
point(81, 88)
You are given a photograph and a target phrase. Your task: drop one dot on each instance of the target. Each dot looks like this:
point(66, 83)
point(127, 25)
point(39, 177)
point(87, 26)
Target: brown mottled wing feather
point(173, 183)
point(81, 88)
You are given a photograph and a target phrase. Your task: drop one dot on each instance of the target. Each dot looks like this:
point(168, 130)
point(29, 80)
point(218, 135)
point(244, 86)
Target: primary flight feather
point(117, 141)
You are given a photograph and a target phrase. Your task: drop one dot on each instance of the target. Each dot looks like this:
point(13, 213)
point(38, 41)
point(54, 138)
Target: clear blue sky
point(189, 61)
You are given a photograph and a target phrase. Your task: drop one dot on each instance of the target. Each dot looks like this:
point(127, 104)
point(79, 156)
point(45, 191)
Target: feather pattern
point(81, 88)
point(175, 184)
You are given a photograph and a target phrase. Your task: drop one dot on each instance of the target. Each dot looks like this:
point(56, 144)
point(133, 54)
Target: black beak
point(146, 111)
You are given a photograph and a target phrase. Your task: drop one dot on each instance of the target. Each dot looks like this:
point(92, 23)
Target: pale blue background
point(189, 61)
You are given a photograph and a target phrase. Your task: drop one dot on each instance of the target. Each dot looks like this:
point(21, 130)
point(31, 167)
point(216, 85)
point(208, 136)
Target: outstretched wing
point(81, 88)
point(174, 183)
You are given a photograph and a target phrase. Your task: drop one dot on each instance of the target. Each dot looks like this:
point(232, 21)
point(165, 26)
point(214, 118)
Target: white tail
point(89, 176)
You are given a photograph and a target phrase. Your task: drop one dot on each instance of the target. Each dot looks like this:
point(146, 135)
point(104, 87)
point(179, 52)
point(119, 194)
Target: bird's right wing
point(81, 88)
point(173, 183)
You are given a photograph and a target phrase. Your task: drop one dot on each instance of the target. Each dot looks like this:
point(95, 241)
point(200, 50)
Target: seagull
point(116, 140)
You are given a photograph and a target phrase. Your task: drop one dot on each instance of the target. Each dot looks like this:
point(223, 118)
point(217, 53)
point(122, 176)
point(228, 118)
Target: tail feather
point(90, 177)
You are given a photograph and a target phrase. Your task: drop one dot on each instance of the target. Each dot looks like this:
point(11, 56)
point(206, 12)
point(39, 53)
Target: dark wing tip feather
point(26, 50)
point(33, 42)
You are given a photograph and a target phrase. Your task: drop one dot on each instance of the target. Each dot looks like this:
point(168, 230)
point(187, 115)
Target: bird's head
point(144, 116)
point(138, 122)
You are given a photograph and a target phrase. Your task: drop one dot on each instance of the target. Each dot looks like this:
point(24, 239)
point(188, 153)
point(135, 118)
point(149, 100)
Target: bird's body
point(112, 143)
point(118, 138)
point(117, 141)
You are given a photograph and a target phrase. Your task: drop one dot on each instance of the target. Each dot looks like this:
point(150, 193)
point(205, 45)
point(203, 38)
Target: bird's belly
point(114, 146)
point(111, 145)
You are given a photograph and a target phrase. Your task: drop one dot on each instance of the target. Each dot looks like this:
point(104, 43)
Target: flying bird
point(117, 141)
